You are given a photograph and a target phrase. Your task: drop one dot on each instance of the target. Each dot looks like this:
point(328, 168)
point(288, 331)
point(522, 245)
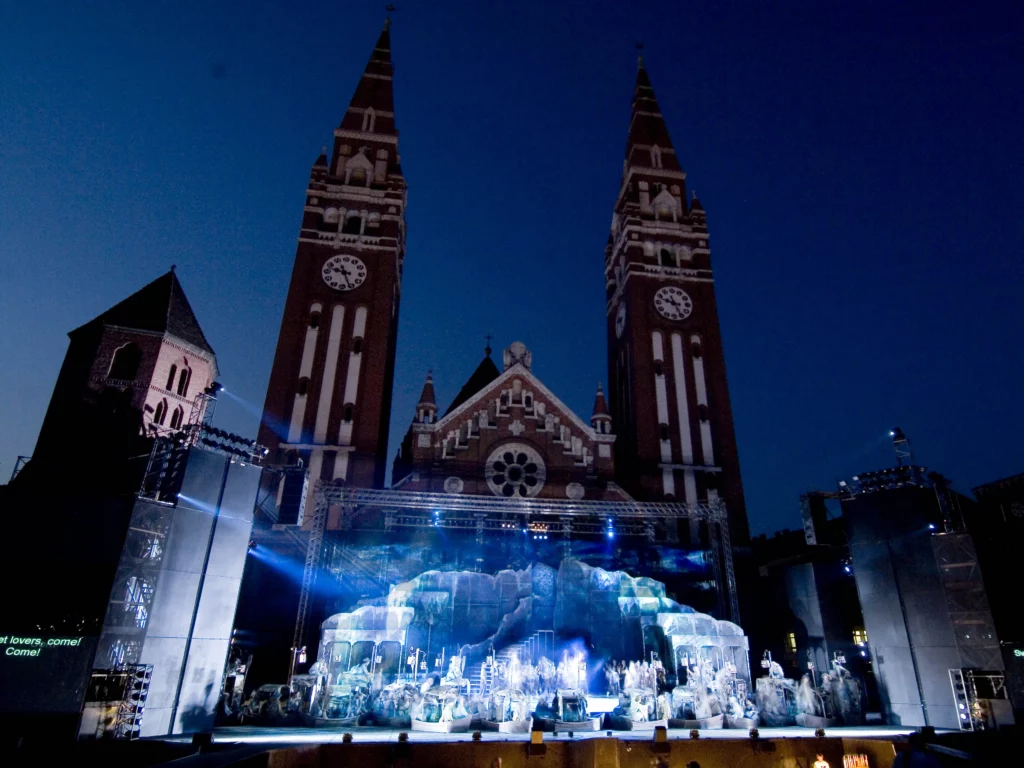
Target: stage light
point(892, 433)
point(848, 569)
point(611, 534)
point(931, 526)
point(863, 653)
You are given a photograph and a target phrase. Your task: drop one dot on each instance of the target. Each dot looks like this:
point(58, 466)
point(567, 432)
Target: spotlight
point(252, 545)
point(931, 526)
point(848, 569)
point(892, 433)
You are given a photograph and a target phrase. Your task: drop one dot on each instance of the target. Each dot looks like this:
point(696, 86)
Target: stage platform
point(284, 736)
point(870, 747)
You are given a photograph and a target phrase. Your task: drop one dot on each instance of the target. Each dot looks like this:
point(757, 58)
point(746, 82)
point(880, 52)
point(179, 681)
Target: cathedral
point(504, 488)
point(663, 432)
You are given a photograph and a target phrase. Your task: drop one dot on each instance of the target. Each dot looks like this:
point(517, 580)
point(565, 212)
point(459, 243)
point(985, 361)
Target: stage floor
point(246, 734)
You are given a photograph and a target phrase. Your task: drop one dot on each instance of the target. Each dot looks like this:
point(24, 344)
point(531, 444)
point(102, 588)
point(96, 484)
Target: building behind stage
point(895, 584)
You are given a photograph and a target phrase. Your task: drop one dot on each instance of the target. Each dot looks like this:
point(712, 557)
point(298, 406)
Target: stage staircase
point(530, 649)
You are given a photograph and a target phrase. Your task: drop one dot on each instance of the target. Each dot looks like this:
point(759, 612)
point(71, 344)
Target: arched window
point(348, 413)
point(369, 119)
point(331, 216)
point(667, 259)
point(177, 417)
point(655, 156)
point(354, 223)
point(125, 363)
point(183, 380)
point(170, 378)
point(161, 413)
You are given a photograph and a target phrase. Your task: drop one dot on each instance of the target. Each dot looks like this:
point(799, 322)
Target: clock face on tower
point(343, 273)
point(620, 321)
point(673, 303)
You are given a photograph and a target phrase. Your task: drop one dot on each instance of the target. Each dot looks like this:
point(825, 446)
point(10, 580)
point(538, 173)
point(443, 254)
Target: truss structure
point(128, 721)
point(458, 506)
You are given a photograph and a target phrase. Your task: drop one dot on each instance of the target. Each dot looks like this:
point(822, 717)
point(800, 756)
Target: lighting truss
point(459, 506)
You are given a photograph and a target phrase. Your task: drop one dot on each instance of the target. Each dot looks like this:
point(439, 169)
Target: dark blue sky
point(860, 163)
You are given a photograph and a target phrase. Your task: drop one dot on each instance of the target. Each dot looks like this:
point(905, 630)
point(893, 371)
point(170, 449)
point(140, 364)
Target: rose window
point(515, 470)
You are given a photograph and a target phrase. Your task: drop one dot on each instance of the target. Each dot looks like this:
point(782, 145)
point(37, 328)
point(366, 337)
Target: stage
point(862, 747)
point(285, 737)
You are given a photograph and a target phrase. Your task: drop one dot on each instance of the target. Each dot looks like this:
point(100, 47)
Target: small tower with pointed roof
point(601, 420)
point(133, 370)
point(426, 408)
point(328, 404)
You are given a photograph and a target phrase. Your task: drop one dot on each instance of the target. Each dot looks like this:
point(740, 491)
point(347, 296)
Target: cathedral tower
point(667, 385)
point(329, 399)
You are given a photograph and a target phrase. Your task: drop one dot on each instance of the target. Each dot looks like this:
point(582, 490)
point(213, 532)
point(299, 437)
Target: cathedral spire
point(372, 109)
point(649, 145)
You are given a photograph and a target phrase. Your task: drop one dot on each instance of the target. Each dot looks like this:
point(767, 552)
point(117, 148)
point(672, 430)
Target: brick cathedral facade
point(665, 431)
point(329, 399)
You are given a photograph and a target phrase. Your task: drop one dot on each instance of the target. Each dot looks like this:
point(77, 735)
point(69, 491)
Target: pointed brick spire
point(647, 128)
point(601, 420)
point(426, 408)
point(600, 406)
point(427, 395)
point(374, 92)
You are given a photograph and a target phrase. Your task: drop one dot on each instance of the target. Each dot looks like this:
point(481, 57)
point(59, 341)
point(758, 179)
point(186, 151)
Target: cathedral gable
point(513, 438)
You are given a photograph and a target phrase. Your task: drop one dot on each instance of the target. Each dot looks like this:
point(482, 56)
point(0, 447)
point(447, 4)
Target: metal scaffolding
point(359, 498)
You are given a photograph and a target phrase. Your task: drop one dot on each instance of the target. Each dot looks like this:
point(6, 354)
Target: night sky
point(860, 164)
